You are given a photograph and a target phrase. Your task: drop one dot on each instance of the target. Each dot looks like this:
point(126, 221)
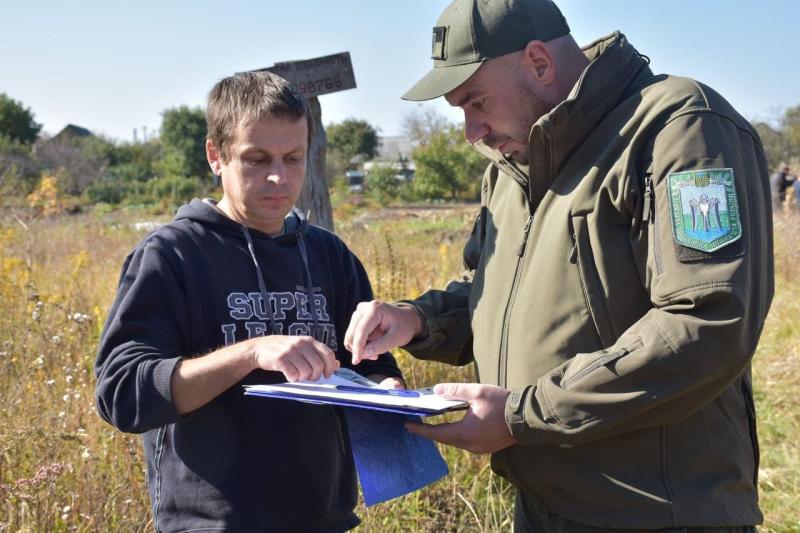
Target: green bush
point(174, 190)
point(108, 191)
point(382, 184)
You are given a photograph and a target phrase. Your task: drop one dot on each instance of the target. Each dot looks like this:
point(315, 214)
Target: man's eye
point(254, 162)
point(294, 160)
point(479, 104)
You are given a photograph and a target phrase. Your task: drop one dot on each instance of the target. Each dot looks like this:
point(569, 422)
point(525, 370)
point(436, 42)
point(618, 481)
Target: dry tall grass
point(63, 469)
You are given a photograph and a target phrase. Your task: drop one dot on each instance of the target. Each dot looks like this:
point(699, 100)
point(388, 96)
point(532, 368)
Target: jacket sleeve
point(707, 308)
point(141, 344)
point(360, 290)
point(447, 336)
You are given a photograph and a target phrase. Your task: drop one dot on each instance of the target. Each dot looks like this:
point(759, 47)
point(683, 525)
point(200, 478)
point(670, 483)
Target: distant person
point(779, 181)
point(612, 339)
point(232, 293)
point(796, 187)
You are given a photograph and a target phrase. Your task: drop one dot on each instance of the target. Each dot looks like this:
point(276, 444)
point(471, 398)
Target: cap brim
point(440, 81)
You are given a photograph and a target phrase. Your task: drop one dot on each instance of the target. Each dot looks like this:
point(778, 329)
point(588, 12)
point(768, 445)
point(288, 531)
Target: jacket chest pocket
point(594, 295)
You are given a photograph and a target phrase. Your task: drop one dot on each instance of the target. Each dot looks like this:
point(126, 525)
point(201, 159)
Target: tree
point(446, 164)
point(791, 127)
point(75, 162)
point(420, 124)
point(183, 136)
point(782, 139)
point(18, 170)
point(352, 140)
point(16, 121)
point(776, 144)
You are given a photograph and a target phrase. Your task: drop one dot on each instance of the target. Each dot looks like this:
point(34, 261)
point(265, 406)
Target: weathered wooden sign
point(321, 75)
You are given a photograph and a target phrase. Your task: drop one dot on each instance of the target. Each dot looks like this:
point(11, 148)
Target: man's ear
point(214, 157)
point(537, 63)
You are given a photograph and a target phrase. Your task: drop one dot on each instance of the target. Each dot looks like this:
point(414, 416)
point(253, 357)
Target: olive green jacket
point(627, 354)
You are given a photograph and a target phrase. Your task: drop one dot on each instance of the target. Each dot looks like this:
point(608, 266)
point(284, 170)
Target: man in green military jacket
point(619, 276)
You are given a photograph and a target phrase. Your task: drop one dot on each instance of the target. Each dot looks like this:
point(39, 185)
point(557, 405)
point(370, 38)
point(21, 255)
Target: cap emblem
point(437, 51)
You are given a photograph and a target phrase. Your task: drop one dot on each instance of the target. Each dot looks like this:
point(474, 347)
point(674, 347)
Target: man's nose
point(276, 173)
point(475, 130)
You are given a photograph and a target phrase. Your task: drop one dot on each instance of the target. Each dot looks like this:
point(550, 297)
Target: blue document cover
point(391, 462)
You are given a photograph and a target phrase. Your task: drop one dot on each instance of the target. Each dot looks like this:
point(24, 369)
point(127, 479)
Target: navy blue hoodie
point(238, 463)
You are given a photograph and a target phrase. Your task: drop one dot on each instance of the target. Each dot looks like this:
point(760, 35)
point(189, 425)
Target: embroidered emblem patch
point(705, 212)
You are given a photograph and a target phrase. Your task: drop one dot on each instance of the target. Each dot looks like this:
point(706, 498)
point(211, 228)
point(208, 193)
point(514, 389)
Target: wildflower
point(65, 397)
point(37, 310)
point(62, 414)
point(68, 378)
point(39, 361)
point(55, 339)
point(50, 382)
point(80, 318)
point(85, 455)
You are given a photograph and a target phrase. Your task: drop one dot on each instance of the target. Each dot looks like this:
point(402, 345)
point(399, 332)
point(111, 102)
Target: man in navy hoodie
point(231, 293)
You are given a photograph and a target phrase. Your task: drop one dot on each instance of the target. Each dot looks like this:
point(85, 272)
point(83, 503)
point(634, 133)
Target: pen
point(368, 390)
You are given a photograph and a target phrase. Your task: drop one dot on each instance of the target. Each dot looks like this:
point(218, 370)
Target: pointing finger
point(363, 331)
point(351, 328)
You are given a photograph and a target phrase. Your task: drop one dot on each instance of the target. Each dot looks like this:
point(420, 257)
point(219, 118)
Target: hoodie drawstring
point(262, 287)
point(312, 302)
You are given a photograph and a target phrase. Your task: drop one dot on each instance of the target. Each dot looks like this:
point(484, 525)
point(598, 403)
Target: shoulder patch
point(704, 208)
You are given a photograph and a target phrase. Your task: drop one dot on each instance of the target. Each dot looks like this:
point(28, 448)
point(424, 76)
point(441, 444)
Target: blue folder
point(390, 461)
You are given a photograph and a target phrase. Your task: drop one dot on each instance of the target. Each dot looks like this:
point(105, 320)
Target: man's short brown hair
point(250, 96)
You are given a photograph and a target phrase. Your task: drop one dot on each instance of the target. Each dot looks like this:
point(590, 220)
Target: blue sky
point(112, 67)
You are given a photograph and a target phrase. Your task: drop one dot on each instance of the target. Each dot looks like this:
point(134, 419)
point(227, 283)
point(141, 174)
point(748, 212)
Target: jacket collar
point(615, 66)
point(615, 71)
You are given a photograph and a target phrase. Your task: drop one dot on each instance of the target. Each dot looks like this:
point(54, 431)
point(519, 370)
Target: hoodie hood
point(206, 212)
point(295, 226)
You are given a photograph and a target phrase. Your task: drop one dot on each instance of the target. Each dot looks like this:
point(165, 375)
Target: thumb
point(457, 391)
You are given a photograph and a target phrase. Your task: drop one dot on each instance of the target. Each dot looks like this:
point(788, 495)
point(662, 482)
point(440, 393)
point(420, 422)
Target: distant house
point(394, 148)
point(65, 137)
point(394, 152)
point(71, 132)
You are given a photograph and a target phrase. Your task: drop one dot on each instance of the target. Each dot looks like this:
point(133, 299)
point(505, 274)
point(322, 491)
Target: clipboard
point(349, 389)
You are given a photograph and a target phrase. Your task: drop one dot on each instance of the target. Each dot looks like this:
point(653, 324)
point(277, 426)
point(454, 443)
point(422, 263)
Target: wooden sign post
point(313, 78)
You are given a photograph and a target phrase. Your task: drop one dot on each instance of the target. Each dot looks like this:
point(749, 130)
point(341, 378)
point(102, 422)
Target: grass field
point(63, 469)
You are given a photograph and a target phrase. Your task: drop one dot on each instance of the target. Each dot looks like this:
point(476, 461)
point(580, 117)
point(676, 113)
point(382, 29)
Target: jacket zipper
point(502, 369)
point(601, 361)
point(597, 363)
point(502, 364)
point(648, 213)
point(573, 259)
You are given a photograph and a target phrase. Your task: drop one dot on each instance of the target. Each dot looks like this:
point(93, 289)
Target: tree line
point(70, 171)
